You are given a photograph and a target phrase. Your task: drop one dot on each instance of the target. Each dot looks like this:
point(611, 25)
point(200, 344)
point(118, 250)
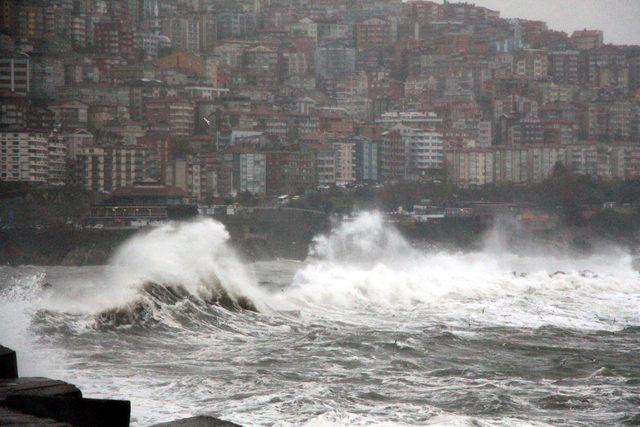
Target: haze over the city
point(619, 19)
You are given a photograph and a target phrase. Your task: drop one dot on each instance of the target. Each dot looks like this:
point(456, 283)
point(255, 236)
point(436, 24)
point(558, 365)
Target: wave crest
point(170, 305)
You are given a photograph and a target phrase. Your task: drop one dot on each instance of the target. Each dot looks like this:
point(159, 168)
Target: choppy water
point(368, 330)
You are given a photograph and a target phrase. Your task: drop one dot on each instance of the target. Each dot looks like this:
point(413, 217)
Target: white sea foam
point(362, 273)
point(364, 265)
point(367, 264)
point(20, 297)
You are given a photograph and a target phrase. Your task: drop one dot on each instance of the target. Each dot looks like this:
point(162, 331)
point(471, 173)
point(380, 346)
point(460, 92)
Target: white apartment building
point(424, 151)
point(24, 156)
point(472, 166)
point(57, 159)
point(249, 171)
point(413, 119)
point(533, 163)
point(345, 162)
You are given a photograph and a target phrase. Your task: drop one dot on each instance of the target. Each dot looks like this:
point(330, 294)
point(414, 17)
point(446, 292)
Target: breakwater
point(48, 402)
point(43, 401)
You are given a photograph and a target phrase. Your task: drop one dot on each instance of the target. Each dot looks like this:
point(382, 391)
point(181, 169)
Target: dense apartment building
point(108, 168)
point(70, 115)
point(276, 97)
point(47, 76)
point(14, 73)
point(24, 156)
point(587, 39)
point(184, 32)
point(236, 25)
point(113, 38)
point(563, 66)
point(367, 160)
point(173, 114)
point(531, 63)
point(424, 151)
point(498, 165)
point(290, 171)
point(249, 171)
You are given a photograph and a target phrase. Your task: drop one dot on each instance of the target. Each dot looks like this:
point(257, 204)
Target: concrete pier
point(43, 401)
point(8, 364)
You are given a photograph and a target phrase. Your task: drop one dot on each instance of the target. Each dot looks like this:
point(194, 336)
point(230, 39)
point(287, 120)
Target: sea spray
point(376, 331)
point(364, 240)
point(20, 297)
point(365, 264)
point(179, 271)
point(195, 255)
point(151, 278)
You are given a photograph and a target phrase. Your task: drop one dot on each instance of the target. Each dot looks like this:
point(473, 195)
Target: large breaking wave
point(177, 264)
point(173, 275)
point(172, 319)
point(178, 274)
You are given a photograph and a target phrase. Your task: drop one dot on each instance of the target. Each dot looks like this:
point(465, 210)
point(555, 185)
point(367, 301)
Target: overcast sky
point(619, 19)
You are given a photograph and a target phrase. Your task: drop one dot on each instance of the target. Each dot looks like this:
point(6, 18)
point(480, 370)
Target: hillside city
point(203, 100)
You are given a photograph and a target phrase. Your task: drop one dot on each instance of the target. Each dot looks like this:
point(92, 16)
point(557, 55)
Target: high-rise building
point(109, 168)
point(391, 157)
point(366, 160)
point(424, 151)
point(563, 66)
point(15, 73)
point(24, 156)
point(176, 114)
point(345, 162)
point(249, 170)
point(57, 159)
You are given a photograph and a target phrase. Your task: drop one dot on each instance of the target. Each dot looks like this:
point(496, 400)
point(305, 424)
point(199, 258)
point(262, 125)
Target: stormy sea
point(369, 329)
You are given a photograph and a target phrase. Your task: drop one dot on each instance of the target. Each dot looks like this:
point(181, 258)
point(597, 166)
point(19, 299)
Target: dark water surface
point(367, 331)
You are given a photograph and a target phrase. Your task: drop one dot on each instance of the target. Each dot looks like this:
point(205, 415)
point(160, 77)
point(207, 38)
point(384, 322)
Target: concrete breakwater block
point(199, 421)
point(37, 386)
point(15, 418)
point(43, 401)
point(8, 363)
point(75, 411)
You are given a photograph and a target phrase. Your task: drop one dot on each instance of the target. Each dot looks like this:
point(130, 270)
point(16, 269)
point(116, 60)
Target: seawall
point(264, 234)
point(257, 234)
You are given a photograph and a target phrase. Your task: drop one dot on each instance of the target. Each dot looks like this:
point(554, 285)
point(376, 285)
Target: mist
point(617, 18)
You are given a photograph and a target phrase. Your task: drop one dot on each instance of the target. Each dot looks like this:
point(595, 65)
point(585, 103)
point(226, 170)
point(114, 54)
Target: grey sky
point(619, 19)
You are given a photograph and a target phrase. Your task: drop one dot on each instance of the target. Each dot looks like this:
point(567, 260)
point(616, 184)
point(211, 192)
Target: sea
point(369, 330)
